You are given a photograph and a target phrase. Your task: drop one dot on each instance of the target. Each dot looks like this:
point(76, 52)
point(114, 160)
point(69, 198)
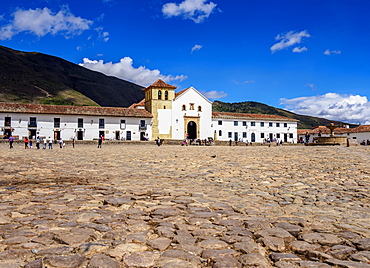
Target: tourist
point(38, 141)
point(31, 144)
point(44, 141)
point(158, 141)
point(26, 142)
point(100, 141)
point(50, 143)
point(61, 143)
point(73, 142)
point(11, 140)
point(230, 142)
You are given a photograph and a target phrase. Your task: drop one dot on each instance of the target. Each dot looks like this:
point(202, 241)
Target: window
point(244, 135)
point(290, 135)
point(270, 124)
point(230, 134)
point(262, 124)
point(278, 135)
point(159, 95)
point(191, 106)
point(253, 124)
point(166, 95)
point(80, 122)
point(277, 124)
point(56, 122)
point(262, 135)
point(33, 122)
point(220, 122)
point(285, 124)
point(235, 123)
point(220, 133)
point(101, 122)
point(142, 125)
point(184, 107)
point(199, 108)
point(244, 123)
point(123, 123)
point(8, 121)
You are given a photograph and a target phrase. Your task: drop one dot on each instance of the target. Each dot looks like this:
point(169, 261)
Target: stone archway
point(192, 130)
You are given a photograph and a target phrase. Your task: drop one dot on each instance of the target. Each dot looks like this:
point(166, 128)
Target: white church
point(162, 114)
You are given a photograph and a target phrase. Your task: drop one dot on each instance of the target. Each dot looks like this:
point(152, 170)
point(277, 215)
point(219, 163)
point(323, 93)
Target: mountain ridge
point(252, 107)
point(33, 77)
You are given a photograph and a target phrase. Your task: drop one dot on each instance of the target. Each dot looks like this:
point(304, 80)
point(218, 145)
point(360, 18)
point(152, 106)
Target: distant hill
point(30, 77)
point(251, 107)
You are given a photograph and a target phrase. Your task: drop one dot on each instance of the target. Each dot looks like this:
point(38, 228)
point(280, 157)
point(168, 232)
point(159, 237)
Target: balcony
point(142, 126)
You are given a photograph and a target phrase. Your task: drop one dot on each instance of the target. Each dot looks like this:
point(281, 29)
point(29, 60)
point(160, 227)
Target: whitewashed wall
point(191, 96)
point(241, 130)
point(69, 126)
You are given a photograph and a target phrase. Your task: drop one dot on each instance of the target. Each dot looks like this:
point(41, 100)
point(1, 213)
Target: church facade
point(163, 114)
point(188, 114)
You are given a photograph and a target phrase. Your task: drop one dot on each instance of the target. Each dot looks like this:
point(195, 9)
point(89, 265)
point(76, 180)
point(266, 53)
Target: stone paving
point(173, 206)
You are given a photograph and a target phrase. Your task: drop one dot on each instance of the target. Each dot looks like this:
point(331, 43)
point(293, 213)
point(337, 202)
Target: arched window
point(159, 95)
point(166, 95)
point(220, 133)
point(199, 108)
point(184, 107)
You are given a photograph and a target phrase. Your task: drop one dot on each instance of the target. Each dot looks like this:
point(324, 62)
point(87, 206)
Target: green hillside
point(251, 107)
point(30, 77)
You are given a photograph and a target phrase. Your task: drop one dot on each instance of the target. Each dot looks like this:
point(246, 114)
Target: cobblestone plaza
point(194, 206)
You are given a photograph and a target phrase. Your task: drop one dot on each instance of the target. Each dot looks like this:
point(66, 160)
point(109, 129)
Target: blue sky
point(310, 57)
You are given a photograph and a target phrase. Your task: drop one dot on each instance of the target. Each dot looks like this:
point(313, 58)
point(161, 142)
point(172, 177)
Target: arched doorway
point(253, 137)
point(192, 130)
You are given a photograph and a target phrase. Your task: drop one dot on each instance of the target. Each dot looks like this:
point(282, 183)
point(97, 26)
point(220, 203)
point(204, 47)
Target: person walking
point(25, 140)
point(50, 143)
point(100, 141)
point(38, 141)
point(61, 143)
point(11, 140)
point(44, 141)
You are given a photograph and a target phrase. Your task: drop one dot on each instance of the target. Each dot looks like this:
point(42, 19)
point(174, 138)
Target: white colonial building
point(162, 114)
point(78, 122)
point(253, 127)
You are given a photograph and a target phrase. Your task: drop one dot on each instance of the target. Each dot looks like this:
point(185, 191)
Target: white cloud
point(124, 70)
point(244, 82)
point(213, 94)
point(101, 34)
point(299, 49)
point(196, 48)
point(329, 52)
point(196, 10)
point(346, 108)
point(41, 22)
point(288, 39)
point(309, 85)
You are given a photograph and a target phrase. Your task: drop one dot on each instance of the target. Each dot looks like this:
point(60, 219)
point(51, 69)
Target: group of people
point(188, 141)
point(44, 142)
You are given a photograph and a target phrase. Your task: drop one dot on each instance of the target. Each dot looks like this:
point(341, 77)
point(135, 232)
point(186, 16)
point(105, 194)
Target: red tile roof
point(250, 116)
point(73, 110)
point(364, 128)
point(139, 104)
point(161, 84)
point(325, 130)
point(179, 93)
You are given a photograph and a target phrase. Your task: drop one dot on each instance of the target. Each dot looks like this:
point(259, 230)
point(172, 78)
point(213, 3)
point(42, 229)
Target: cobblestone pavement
point(173, 206)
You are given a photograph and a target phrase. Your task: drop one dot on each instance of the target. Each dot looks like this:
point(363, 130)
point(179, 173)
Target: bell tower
point(158, 99)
